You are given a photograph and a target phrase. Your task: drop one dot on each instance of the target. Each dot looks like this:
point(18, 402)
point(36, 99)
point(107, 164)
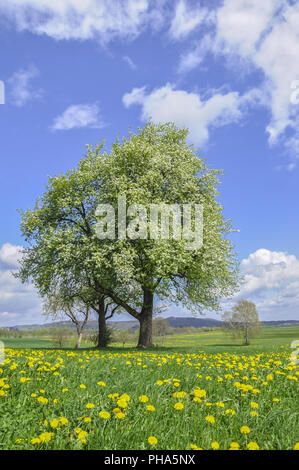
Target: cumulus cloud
point(190, 109)
point(271, 280)
point(186, 19)
point(83, 20)
point(21, 90)
point(265, 35)
point(78, 116)
point(19, 303)
point(9, 256)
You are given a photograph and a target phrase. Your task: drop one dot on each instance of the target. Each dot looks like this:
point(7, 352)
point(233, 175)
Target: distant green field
point(271, 338)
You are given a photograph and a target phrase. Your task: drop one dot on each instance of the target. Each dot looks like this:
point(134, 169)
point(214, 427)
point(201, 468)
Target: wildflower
point(143, 399)
point(81, 436)
point(178, 406)
point(195, 447)
point(197, 399)
point(252, 446)
point(46, 436)
point(254, 405)
point(101, 384)
point(199, 393)
point(234, 446)
point(63, 421)
point(125, 396)
point(54, 423)
point(296, 446)
point(150, 408)
point(83, 386)
point(210, 419)
point(181, 394)
point(35, 440)
point(122, 403)
point(89, 406)
point(43, 400)
point(104, 415)
point(215, 445)
point(245, 430)
point(152, 440)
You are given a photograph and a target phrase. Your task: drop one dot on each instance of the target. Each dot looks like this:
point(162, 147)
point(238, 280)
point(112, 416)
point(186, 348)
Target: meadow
point(197, 391)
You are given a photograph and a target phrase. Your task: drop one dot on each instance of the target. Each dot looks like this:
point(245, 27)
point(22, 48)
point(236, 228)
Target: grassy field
point(196, 391)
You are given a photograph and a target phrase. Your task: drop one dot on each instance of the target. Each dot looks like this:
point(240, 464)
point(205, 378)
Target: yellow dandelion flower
point(252, 446)
point(101, 384)
point(152, 440)
point(104, 415)
point(143, 399)
point(245, 430)
point(178, 406)
point(54, 423)
point(215, 445)
point(89, 406)
point(210, 419)
point(234, 446)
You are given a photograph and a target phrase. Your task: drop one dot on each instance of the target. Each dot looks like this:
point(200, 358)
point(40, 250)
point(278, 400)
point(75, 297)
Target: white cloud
point(193, 58)
point(264, 35)
point(83, 20)
point(19, 303)
point(189, 109)
point(78, 116)
point(9, 256)
point(271, 280)
point(186, 19)
point(130, 62)
point(240, 23)
point(21, 89)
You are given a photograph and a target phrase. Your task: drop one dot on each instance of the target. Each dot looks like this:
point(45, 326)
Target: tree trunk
point(102, 339)
point(79, 340)
point(146, 320)
point(246, 335)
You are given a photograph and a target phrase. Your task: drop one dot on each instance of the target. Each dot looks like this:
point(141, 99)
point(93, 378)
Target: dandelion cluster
point(139, 400)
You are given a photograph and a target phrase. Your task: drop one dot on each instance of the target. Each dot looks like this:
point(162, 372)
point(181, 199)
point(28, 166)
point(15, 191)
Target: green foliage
point(108, 337)
point(152, 166)
point(242, 321)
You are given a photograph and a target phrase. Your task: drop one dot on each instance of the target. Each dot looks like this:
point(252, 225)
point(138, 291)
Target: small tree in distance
point(77, 311)
point(242, 321)
point(160, 326)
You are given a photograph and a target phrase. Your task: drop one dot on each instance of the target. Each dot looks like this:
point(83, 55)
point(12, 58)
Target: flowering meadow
point(91, 399)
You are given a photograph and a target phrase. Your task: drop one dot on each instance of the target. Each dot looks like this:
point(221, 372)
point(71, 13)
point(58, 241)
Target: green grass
point(29, 342)
point(270, 338)
point(232, 376)
point(216, 341)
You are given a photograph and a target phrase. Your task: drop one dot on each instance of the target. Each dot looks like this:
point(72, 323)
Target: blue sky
point(76, 72)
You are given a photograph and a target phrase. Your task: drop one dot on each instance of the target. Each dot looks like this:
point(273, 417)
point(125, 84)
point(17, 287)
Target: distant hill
point(183, 322)
point(174, 322)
